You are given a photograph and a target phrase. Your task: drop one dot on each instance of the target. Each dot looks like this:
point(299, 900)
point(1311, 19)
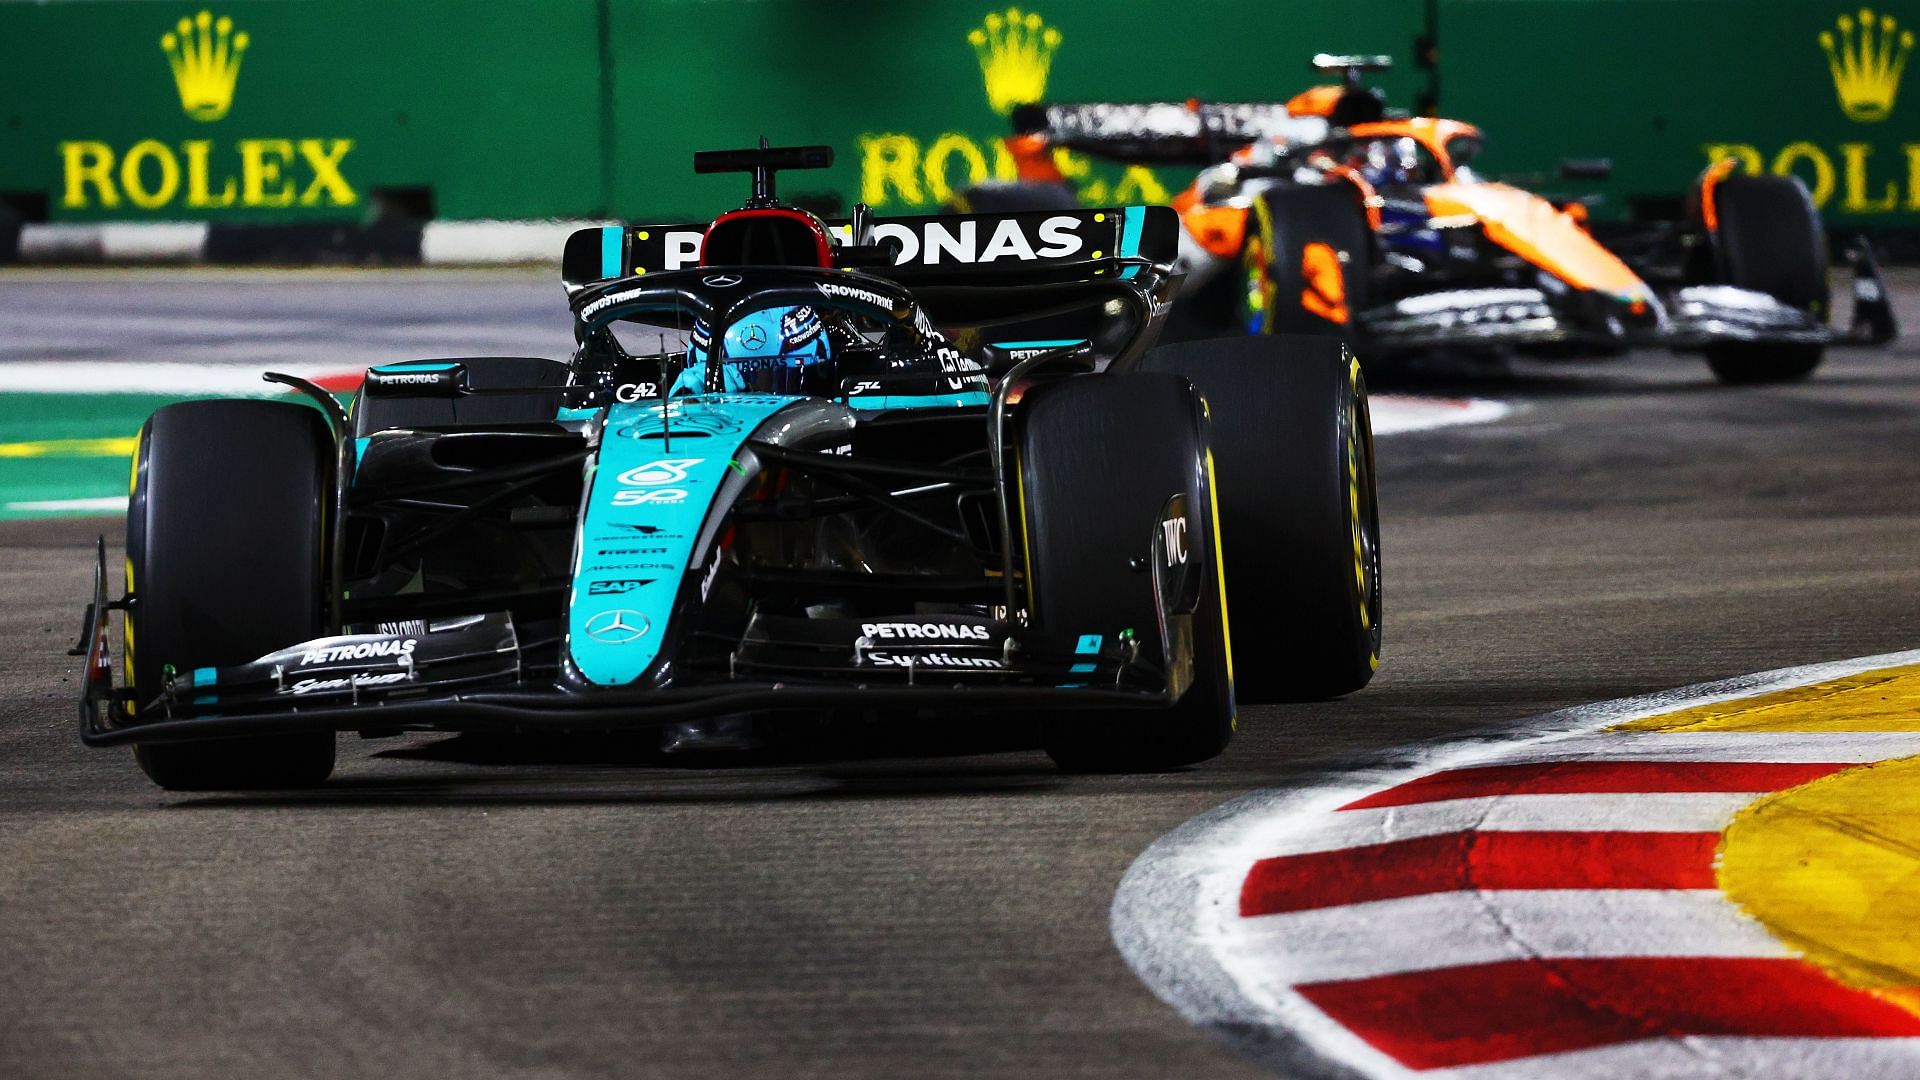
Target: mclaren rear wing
point(1169, 133)
point(969, 249)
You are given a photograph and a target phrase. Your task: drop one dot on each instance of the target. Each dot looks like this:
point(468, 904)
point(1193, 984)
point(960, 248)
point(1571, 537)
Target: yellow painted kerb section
point(1883, 700)
point(1832, 867)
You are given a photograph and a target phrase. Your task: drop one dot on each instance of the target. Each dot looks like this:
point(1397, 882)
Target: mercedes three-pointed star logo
point(752, 336)
point(720, 281)
point(617, 627)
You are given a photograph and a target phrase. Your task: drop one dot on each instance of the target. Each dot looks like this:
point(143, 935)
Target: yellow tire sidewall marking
point(1220, 574)
point(1354, 437)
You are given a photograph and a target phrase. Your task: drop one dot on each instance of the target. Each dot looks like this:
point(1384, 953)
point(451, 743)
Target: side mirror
point(1586, 169)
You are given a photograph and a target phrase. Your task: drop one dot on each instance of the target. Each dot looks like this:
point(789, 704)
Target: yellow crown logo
point(1016, 51)
point(1867, 64)
point(205, 55)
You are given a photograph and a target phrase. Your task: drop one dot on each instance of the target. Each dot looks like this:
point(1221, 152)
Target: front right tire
point(1769, 239)
point(1098, 457)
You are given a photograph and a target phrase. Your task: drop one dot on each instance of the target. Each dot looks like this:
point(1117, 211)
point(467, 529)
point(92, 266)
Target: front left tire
point(225, 540)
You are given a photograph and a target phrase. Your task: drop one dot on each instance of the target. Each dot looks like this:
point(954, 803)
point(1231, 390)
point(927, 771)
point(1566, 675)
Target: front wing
point(465, 675)
point(1688, 317)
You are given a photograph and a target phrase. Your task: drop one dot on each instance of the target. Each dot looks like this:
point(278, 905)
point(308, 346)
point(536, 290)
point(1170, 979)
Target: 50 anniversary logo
point(204, 54)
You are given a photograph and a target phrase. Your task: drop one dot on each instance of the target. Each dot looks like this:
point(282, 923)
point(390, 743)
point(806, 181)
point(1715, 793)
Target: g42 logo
point(652, 479)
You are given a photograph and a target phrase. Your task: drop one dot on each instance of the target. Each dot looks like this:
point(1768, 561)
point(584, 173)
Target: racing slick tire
point(1098, 458)
point(541, 383)
point(1306, 261)
point(1769, 239)
point(1293, 453)
point(224, 555)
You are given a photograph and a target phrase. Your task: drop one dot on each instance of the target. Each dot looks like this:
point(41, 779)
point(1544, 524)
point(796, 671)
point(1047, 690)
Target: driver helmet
point(775, 350)
point(1389, 161)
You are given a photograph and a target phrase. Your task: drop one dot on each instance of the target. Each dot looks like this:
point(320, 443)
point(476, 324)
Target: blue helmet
point(771, 351)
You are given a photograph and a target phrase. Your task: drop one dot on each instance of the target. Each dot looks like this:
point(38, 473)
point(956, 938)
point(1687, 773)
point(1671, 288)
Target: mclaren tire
point(1769, 238)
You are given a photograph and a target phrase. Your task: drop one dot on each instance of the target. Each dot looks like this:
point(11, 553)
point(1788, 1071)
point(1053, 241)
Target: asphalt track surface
point(452, 907)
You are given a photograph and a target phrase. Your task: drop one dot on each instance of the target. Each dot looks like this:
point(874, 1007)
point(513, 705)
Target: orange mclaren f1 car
point(1323, 214)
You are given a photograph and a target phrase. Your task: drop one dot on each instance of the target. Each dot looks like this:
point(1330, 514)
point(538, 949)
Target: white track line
point(68, 506)
point(1394, 414)
point(149, 377)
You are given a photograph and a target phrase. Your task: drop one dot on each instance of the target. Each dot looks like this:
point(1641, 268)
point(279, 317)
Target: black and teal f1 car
point(873, 467)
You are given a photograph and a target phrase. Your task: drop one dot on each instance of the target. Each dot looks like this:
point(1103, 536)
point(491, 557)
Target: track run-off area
point(1558, 864)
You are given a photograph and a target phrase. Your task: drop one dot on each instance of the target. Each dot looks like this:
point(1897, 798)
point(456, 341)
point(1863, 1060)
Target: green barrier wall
point(1664, 86)
point(492, 105)
point(570, 108)
point(576, 108)
point(906, 93)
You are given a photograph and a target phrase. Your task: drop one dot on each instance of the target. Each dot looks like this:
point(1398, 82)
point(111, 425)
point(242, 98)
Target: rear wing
point(980, 249)
point(1174, 133)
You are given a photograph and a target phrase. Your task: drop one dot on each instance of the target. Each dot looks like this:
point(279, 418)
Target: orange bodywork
point(1315, 101)
point(1550, 238)
point(1325, 293)
point(1709, 180)
point(1533, 229)
point(1219, 229)
point(1222, 229)
point(1370, 200)
point(1430, 132)
point(1033, 159)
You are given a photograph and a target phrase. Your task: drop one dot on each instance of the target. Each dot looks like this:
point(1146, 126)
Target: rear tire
point(224, 550)
point(1769, 239)
point(1293, 449)
point(1099, 456)
point(1306, 261)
